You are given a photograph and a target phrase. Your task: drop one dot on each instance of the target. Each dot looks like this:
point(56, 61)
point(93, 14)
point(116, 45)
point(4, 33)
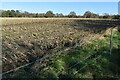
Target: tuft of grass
point(107, 66)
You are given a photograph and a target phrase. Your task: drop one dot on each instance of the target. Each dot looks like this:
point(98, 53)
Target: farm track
point(24, 42)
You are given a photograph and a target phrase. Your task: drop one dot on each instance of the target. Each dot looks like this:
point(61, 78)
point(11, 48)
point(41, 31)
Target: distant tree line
point(72, 14)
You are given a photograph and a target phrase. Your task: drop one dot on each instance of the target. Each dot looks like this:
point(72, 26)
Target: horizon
point(63, 7)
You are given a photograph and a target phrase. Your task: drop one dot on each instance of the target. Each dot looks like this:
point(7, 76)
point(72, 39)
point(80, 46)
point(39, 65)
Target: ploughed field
point(26, 39)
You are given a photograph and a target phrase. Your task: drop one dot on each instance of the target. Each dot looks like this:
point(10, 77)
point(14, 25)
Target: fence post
point(111, 40)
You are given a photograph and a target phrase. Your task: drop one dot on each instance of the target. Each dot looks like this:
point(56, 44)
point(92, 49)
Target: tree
point(106, 15)
point(0, 13)
point(41, 15)
point(89, 14)
point(59, 15)
point(4, 14)
point(26, 14)
point(11, 13)
point(95, 15)
point(116, 17)
point(18, 13)
point(49, 14)
point(72, 14)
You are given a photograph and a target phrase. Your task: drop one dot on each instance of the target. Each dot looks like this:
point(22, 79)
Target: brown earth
point(25, 39)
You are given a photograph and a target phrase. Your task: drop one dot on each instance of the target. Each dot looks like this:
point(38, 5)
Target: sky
point(63, 7)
